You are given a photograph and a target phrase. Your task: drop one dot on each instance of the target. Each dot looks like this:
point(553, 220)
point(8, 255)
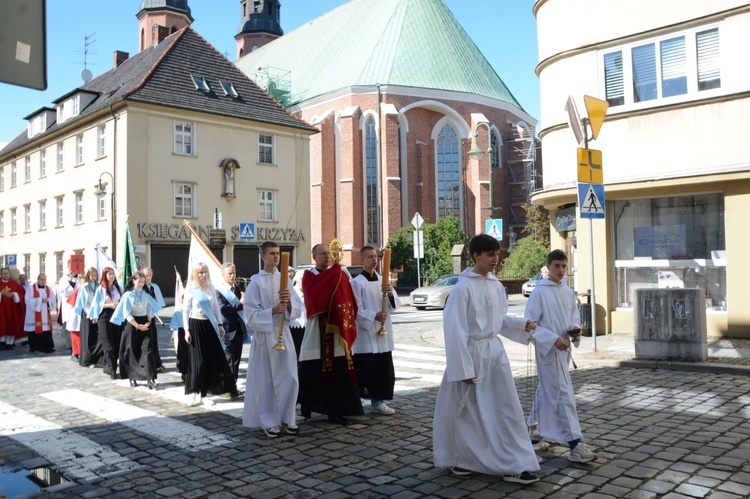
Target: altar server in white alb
point(479, 424)
point(372, 351)
point(553, 306)
point(272, 384)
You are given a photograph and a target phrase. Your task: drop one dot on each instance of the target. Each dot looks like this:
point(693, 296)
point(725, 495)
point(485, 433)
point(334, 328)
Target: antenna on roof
point(87, 41)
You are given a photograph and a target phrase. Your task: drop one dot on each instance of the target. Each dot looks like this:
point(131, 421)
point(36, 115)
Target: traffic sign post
point(247, 231)
point(591, 200)
point(590, 166)
point(417, 222)
point(494, 228)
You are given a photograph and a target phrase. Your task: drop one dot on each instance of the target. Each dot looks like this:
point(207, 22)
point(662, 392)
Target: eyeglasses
point(322, 254)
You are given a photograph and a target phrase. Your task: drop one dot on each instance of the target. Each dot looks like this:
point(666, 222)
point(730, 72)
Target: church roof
point(411, 43)
point(162, 75)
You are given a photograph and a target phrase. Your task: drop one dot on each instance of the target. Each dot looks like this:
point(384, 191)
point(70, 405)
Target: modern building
point(675, 155)
point(175, 133)
point(398, 93)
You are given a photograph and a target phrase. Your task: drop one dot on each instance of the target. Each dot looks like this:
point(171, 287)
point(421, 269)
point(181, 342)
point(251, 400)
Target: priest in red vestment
point(11, 295)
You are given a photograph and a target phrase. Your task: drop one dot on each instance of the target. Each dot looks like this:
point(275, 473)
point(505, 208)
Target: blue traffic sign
point(10, 260)
point(591, 200)
point(247, 231)
point(494, 228)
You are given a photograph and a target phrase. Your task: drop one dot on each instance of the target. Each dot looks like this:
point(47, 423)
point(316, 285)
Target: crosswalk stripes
point(74, 455)
point(170, 431)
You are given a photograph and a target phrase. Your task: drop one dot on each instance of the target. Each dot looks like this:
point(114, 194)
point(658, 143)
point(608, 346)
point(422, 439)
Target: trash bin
point(584, 310)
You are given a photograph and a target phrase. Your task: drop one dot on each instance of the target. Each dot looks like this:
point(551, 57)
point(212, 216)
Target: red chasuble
point(331, 291)
point(10, 311)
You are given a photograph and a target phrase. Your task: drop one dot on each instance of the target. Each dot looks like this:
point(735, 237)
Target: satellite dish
point(86, 75)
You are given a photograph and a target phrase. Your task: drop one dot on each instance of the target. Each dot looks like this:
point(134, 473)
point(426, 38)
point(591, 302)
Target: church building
point(401, 96)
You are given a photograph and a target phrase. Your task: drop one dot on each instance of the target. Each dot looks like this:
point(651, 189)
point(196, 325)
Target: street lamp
point(100, 192)
point(477, 152)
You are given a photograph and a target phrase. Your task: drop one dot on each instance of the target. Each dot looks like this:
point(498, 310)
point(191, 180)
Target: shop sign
point(179, 231)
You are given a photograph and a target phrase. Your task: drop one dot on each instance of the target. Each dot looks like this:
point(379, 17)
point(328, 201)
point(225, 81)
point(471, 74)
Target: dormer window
point(39, 121)
point(229, 89)
point(69, 108)
point(201, 84)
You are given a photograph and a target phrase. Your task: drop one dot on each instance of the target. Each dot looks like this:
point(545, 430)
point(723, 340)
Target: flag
point(103, 261)
point(128, 266)
point(179, 290)
point(199, 252)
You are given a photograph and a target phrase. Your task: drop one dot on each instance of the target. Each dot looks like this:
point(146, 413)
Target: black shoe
point(160, 369)
point(133, 383)
point(10, 347)
point(235, 395)
point(340, 420)
point(113, 376)
point(151, 384)
point(524, 478)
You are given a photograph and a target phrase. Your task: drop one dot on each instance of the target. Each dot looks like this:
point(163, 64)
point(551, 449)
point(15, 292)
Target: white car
point(434, 295)
point(529, 285)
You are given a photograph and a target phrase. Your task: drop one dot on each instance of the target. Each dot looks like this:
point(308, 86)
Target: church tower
point(159, 19)
point(260, 25)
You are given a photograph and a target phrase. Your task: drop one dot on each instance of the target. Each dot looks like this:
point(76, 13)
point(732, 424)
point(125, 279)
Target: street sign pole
point(585, 123)
point(417, 222)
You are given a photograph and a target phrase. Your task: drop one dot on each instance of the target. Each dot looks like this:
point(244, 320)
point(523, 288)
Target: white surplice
point(272, 385)
point(480, 427)
point(369, 296)
point(35, 305)
point(555, 309)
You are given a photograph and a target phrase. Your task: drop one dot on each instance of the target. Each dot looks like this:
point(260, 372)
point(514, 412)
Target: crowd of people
point(325, 341)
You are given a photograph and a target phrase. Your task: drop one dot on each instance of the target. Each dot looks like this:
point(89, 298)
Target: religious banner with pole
point(129, 266)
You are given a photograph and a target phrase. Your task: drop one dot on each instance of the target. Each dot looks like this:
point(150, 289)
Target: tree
point(529, 254)
point(439, 239)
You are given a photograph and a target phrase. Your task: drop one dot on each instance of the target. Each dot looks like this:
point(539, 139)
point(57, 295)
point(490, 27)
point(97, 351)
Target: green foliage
point(439, 239)
point(537, 223)
point(526, 259)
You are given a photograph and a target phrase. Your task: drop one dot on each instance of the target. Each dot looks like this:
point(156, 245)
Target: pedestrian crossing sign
point(494, 228)
point(247, 231)
point(591, 200)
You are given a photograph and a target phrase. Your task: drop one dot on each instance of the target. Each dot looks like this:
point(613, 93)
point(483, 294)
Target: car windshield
point(446, 281)
point(536, 277)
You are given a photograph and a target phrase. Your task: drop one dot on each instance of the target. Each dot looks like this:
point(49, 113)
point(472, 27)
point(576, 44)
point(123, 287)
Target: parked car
point(529, 285)
point(434, 295)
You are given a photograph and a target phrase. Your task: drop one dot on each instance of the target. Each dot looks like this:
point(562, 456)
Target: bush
point(527, 257)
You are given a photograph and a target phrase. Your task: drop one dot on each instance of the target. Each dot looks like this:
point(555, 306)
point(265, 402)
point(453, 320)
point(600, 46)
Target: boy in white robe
point(272, 384)
point(553, 306)
point(372, 351)
point(479, 424)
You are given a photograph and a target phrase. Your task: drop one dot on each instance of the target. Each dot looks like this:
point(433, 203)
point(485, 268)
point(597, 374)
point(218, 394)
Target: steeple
point(260, 25)
point(159, 19)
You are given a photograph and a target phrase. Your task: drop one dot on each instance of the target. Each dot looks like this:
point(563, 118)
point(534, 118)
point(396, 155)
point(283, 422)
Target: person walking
point(106, 298)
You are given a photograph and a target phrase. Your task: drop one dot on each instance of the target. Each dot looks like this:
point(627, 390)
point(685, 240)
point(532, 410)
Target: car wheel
point(420, 308)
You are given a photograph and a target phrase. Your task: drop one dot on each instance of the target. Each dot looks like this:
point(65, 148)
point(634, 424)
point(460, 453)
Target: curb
point(698, 367)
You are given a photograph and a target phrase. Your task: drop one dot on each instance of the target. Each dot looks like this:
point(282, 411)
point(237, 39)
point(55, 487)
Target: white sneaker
point(582, 454)
point(272, 432)
point(382, 409)
point(195, 400)
point(208, 401)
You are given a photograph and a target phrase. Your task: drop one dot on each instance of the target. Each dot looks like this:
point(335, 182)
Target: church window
point(265, 149)
point(266, 206)
point(371, 182)
point(184, 135)
point(495, 154)
point(448, 165)
point(184, 199)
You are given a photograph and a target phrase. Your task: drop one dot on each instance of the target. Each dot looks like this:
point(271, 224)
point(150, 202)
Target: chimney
point(120, 57)
point(158, 33)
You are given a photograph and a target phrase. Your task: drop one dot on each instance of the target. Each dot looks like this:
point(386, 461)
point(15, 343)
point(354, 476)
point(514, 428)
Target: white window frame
point(101, 141)
point(13, 175)
point(101, 208)
point(60, 211)
point(266, 202)
point(13, 221)
point(78, 207)
point(2, 178)
point(43, 214)
point(182, 146)
point(26, 218)
point(79, 149)
point(185, 200)
point(27, 169)
point(42, 263)
point(266, 150)
point(43, 163)
point(59, 269)
point(690, 69)
point(60, 156)
point(2, 223)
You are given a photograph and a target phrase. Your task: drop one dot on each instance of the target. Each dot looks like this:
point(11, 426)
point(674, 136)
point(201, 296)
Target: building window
point(2, 178)
point(27, 218)
point(2, 223)
point(79, 207)
point(43, 163)
point(372, 211)
point(60, 156)
point(266, 206)
point(667, 67)
point(59, 265)
point(79, 149)
point(183, 200)
point(59, 213)
point(670, 242)
point(448, 169)
point(265, 149)
point(27, 170)
point(13, 222)
point(495, 153)
point(42, 263)
point(183, 138)
point(27, 263)
point(43, 215)
point(13, 175)
point(101, 208)
point(101, 141)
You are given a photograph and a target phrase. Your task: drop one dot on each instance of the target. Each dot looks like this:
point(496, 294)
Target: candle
point(284, 271)
point(386, 268)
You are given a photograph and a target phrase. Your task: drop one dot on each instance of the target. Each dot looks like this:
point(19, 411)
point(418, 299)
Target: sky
point(504, 30)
